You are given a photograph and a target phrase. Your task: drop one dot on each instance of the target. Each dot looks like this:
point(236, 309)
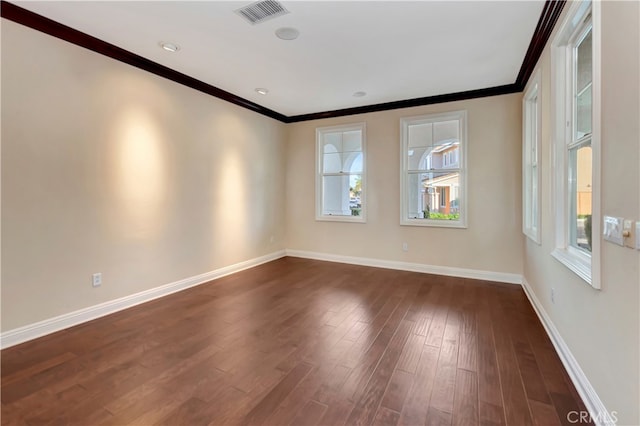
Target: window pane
point(352, 141)
point(583, 113)
point(332, 163)
point(353, 162)
point(342, 195)
point(355, 194)
point(583, 83)
point(584, 60)
point(434, 196)
point(446, 131)
point(332, 142)
point(534, 120)
point(415, 197)
point(533, 197)
point(420, 135)
point(419, 158)
point(580, 197)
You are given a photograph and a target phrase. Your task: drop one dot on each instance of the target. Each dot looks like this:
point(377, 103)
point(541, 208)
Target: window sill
point(434, 223)
point(352, 219)
point(578, 264)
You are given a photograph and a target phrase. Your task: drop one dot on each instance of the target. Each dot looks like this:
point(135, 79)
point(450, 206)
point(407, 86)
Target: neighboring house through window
point(433, 170)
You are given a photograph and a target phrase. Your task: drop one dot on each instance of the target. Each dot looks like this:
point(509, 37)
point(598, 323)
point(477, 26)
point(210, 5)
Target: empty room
point(320, 212)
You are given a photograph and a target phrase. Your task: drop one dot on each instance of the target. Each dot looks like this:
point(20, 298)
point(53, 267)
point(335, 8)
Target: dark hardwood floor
point(300, 342)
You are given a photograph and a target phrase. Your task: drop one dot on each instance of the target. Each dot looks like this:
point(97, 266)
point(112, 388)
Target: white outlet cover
point(96, 279)
point(612, 230)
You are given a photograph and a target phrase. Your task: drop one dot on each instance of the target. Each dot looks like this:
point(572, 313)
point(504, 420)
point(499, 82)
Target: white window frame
point(462, 166)
point(320, 131)
point(531, 156)
point(584, 265)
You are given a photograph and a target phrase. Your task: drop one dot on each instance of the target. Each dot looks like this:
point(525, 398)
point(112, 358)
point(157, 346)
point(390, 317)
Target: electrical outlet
point(96, 279)
point(271, 239)
point(553, 295)
point(405, 247)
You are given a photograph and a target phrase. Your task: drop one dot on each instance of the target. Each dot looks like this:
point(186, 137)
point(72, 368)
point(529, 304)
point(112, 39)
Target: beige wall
point(107, 168)
point(493, 240)
point(601, 328)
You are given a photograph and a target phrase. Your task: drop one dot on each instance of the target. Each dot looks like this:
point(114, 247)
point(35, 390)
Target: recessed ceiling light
point(287, 33)
point(170, 47)
point(359, 94)
point(262, 90)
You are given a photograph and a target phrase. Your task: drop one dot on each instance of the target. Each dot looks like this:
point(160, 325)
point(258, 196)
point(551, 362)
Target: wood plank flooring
point(300, 342)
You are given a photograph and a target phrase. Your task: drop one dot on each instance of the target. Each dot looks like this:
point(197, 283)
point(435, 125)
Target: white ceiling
point(392, 50)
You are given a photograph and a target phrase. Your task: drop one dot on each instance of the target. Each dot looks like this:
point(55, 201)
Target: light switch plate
point(629, 233)
point(612, 230)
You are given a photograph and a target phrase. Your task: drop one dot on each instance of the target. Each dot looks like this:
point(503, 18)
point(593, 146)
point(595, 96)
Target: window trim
point(319, 174)
point(405, 122)
point(534, 91)
point(585, 266)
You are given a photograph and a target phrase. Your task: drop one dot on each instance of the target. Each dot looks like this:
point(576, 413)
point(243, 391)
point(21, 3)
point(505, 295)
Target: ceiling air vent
point(261, 11)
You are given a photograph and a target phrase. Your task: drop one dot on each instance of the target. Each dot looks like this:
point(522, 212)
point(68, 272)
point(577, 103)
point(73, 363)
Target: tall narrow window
point(340, 179)
point(579, 146)
point(433, 177)
point(531, 110)
point(576, 59)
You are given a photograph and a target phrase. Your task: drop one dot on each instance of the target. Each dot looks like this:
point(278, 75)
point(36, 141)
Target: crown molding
point(48, 26)
point(429, 100)
point(548, 18)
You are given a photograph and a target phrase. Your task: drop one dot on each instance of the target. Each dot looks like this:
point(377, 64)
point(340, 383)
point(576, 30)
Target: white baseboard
point(502, 277)
point(39, 329)
point(594, 405)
